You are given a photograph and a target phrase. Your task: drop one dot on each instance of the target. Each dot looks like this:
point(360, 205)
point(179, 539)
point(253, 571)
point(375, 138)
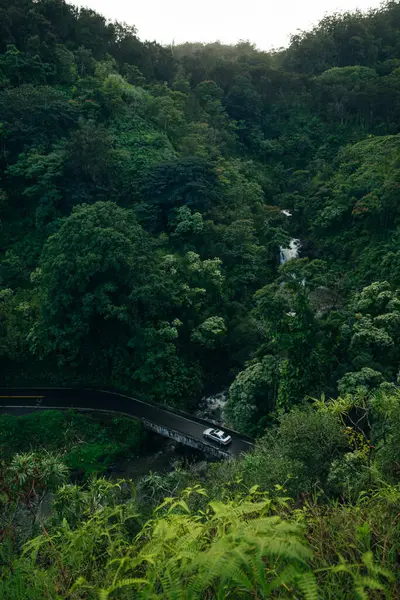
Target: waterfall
point(291, 252)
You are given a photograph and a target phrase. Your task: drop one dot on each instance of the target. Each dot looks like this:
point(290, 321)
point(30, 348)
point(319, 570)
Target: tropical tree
point(93, 275)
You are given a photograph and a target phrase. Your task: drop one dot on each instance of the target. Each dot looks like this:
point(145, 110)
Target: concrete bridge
point(173, 424)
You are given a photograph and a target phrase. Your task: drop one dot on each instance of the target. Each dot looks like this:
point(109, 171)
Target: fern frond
point(307, 585)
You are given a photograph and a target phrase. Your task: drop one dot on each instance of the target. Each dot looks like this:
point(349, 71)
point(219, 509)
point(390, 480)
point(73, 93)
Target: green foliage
point(388, 455)
point(244, 545)
point(35, 115)
point(28, 471)
point(298, 453)
point(359, 201)
point(105, 137)
point(86, 446)
point(253, 392)
point(364, 380)
point(210, 332)
point(188, 181)
point(147, 196)
point(314, 438)
point(82, 286)
point(350, 475)
point(220, 551)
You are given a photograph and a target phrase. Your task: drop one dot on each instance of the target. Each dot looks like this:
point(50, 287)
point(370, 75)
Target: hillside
point(179, 221)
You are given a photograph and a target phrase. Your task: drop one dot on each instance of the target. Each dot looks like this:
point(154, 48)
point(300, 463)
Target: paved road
point(61, 398)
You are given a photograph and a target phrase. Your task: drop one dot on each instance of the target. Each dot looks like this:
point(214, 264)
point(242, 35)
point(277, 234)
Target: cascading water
point(212, 408)
point(286, 254)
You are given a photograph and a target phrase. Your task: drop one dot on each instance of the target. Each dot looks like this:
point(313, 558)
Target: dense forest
point(150, 197)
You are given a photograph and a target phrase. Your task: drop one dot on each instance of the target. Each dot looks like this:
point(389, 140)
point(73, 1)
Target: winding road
point(21, 400)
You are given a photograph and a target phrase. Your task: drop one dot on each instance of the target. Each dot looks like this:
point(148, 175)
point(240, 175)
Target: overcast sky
point(268, 23)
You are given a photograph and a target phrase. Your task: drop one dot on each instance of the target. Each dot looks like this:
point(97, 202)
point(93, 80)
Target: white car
point(217, 435)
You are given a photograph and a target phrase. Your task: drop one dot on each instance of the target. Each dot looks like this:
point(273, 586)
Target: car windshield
point(219, 433)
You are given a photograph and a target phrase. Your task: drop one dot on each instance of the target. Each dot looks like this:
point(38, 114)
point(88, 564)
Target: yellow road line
point(36, 397)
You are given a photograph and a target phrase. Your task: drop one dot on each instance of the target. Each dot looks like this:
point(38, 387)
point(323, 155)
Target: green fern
point(232, 550)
